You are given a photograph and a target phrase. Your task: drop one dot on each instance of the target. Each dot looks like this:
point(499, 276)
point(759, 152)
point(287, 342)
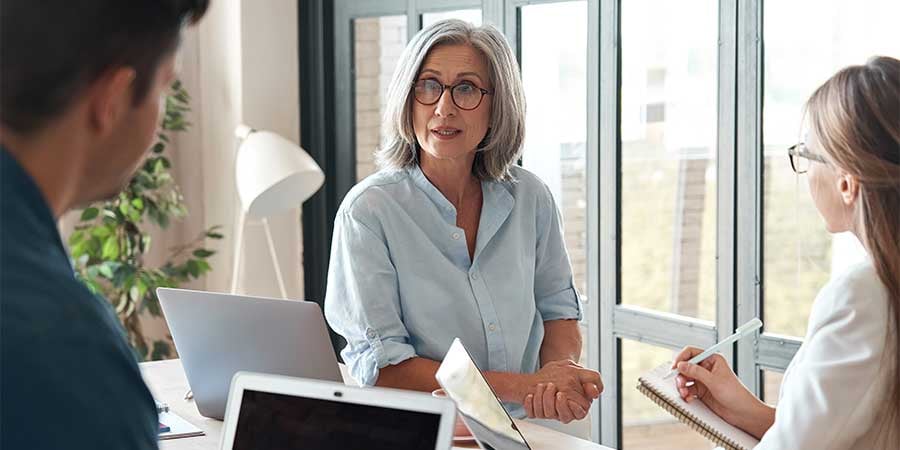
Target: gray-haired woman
point(452, 239)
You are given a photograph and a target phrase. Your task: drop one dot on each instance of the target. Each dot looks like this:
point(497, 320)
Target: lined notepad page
point(695, 414)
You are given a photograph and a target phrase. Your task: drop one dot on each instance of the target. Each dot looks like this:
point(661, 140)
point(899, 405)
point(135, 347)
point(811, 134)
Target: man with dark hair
point(80, 89)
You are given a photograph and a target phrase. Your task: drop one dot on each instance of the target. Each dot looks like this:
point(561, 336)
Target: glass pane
point(646, 426)
point(554, 72)
point(668, 128)
point(771, 386)
point(469, 15)
point(377, 45)
point(799, 255)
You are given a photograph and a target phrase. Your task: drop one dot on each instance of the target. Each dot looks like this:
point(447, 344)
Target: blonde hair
point(502, 144)
point(856, 117)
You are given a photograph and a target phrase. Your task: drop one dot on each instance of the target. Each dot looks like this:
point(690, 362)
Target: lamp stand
point(238, 250)
point(238, 247)
point(274, 259)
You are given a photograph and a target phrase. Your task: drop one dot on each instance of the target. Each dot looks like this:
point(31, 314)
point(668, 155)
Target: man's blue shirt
point(69, 379)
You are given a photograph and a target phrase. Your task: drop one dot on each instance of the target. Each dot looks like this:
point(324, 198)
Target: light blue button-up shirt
point(400, 282)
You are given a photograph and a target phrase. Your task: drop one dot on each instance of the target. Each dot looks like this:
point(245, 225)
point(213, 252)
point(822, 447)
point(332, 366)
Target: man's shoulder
point(43, 300)
point(68, 371)
point(51, 401)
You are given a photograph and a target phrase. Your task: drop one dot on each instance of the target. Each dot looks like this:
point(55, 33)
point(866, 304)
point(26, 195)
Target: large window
point(553, 45)
point(661, 129)
point(668, 190)
point(799, 254)
point(668, 173)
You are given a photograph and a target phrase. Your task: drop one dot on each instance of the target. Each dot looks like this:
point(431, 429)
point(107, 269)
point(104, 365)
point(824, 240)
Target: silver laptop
point(272, 412)
point(477, 403)
point(218, 335)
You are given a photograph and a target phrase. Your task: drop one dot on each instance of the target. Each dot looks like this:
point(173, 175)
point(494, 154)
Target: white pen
point(743, 330)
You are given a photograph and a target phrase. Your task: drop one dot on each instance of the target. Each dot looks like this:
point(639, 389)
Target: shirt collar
point(497, 205)
point(433, 194)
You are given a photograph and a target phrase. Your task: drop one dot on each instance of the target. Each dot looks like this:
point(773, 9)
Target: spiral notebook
point(694, 414)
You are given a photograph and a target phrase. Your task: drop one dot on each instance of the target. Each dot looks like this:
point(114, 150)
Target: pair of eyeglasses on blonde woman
point(465, 94)
point(800, 157)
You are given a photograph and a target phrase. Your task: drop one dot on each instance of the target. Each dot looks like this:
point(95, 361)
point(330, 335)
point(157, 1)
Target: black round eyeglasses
point(465, 94)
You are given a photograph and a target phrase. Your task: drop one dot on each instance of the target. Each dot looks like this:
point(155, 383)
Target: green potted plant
point(109, 242)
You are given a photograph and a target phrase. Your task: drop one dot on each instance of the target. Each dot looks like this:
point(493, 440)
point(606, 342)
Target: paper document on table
point(695, 414)
point(178, 427)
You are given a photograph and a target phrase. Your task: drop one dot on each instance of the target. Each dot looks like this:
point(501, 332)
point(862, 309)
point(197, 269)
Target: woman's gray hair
point(502, 144)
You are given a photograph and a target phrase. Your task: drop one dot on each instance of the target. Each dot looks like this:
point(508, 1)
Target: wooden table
point(167, 382)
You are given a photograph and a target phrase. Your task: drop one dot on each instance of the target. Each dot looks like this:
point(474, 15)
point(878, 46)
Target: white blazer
point(833, 389)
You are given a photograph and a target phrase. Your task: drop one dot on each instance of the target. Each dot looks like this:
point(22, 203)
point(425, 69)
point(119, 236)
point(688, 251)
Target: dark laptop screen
point(283, 422)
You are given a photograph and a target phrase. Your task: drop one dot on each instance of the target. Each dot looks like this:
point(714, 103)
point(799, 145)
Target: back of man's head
point(50, 50)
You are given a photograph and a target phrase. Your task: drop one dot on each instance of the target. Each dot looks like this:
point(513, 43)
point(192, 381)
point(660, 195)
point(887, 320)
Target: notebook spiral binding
point(687, 418)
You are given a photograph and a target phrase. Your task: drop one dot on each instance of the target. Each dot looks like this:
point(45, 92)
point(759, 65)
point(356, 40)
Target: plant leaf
point(89, 214)
point(110, 248)
point(204, 266)
point(76, 238)
point(106, 271)
point(203, 253)
point(193, 268)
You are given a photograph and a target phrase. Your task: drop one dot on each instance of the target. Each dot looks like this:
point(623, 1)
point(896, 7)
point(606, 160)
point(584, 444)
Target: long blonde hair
point(856, 116)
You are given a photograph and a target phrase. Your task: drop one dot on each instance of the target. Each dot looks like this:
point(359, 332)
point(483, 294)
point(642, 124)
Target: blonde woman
point(452, 239)
point(842, 389)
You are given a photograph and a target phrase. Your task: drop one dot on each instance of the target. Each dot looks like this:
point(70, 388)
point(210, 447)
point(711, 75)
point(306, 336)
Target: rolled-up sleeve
point(554, 286)
point(362, 301)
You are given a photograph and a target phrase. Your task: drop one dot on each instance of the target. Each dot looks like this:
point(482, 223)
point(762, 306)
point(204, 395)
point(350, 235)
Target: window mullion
point(609, 409)
point(593, 198)
point(727, 128)
point(749, 184)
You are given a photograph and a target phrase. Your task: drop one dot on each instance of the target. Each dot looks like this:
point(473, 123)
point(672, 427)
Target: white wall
point(245, 71)
point(240, 65)
point(271, 100)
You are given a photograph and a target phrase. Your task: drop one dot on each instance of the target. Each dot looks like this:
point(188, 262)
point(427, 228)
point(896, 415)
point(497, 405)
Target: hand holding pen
point(705, 375)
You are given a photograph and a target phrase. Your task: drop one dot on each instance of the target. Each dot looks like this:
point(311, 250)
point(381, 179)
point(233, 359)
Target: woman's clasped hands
point(561, 390)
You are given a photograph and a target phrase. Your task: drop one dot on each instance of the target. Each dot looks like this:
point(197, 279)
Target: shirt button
point(370, 333)
point(474, 276)
point(455, 236)
point(492, 327)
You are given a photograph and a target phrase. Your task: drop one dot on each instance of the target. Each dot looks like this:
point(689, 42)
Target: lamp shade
point(273, 174)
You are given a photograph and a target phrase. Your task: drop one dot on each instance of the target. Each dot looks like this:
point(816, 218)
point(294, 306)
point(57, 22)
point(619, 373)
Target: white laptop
point(477, 403)
point(218, 335)
point(273, 412)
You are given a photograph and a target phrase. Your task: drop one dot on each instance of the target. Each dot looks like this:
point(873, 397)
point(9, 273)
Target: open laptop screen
point(275, 421)
point(476, 402)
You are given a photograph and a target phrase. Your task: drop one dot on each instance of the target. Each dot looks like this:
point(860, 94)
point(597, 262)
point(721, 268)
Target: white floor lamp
point(273, 175)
